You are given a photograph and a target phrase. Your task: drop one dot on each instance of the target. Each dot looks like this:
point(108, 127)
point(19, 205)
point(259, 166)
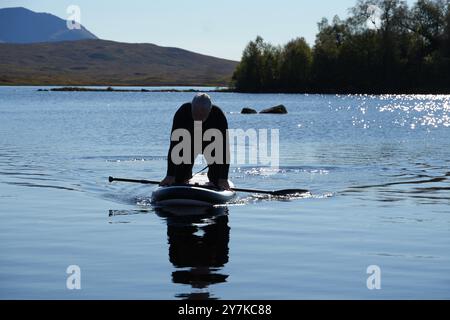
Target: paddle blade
point(290, 192)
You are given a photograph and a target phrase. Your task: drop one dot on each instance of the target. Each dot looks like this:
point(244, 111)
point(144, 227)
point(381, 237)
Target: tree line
point(384, 46)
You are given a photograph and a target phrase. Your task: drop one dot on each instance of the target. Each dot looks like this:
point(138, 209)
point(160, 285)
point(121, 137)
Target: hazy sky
point(218, 28)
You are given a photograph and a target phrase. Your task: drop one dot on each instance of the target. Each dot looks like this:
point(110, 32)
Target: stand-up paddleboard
point(197, 193)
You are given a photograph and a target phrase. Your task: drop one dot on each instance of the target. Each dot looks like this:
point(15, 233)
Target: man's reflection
point(198, 247)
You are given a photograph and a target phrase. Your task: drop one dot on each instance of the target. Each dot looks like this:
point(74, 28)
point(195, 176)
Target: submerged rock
point(275, 110)
point(248, 111)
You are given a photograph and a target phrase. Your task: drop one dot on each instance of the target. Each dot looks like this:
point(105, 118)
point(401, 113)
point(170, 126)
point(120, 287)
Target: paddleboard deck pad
point(197, 194)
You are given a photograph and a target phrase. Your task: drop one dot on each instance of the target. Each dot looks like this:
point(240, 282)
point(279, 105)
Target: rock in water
point(276, 110)
point(248, 111)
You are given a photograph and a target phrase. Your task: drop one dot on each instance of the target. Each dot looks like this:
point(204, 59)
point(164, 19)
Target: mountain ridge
point(21, 25)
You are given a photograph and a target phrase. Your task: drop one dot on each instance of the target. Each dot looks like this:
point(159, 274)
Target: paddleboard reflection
point(198, 248)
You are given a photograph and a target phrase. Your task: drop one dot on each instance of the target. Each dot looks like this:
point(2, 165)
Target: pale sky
point(217, 28)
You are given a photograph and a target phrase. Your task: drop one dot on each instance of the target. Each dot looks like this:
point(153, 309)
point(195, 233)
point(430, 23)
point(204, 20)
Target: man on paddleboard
point(199, 115)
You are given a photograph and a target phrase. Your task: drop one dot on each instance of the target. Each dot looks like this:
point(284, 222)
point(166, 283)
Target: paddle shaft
point(276, 193)
point(111, 179)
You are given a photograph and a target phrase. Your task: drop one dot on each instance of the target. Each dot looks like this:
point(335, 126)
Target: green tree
point(428, 22)
point(326, 73)
point(446, 40)
point(295, 65)
point(270, 69)
point(247, 76)
point(258, 70)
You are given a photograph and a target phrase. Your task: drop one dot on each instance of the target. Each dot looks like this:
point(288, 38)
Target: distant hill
point(100, 62)
point(38, 48)
point(20, 25)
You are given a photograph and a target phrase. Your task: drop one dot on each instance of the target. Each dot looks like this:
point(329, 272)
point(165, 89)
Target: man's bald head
point(201, 107)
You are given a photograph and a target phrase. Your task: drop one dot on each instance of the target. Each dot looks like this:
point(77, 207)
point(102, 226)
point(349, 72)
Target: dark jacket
point(216, 120)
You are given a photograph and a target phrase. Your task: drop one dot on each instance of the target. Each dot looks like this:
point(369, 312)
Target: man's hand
point(223, 184)
point(167, 181)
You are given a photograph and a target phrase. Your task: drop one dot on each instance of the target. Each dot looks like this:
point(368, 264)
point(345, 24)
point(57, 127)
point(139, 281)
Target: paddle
point(273, 193)
point(285, 192)
point(112, 179)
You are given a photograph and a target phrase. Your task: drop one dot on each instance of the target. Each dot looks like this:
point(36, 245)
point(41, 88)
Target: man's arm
point(225, 167)
point(178, 121)
point(220, 171)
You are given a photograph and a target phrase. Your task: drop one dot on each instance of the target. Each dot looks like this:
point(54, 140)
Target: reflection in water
point(198, 247)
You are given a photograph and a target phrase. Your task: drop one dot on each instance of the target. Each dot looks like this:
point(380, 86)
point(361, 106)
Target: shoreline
point(230, 90)
point(111, 89)
point(196, 89)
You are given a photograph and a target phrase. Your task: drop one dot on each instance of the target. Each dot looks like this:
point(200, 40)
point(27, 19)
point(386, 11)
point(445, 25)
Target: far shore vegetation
point(384, 46)
point(111, 89)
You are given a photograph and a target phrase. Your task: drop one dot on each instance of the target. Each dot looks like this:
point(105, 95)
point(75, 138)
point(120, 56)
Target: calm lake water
point(378, 168)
